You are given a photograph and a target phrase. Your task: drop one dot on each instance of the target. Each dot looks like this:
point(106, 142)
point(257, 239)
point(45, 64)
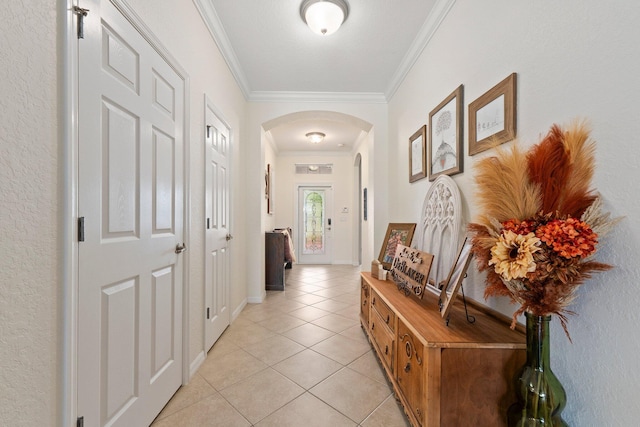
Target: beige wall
point(573, 59)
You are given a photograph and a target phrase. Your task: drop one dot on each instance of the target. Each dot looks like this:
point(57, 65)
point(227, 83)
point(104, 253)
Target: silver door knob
point(229, 237)
point(180, 248)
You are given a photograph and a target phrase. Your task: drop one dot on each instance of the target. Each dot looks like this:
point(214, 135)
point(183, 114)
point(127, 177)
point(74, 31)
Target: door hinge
point(208, 223)
point(81, 14)
point(81, 229)
point(80, 422)
point(208, 313)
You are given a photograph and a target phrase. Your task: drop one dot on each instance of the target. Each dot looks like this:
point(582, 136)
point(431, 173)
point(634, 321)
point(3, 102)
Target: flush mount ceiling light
point(324, 17)
point(315, 137)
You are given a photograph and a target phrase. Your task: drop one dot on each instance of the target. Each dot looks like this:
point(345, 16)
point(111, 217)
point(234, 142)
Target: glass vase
point(541, 397)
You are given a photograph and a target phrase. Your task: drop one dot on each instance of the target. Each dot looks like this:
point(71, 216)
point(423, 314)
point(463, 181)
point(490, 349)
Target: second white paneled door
point(218, 231)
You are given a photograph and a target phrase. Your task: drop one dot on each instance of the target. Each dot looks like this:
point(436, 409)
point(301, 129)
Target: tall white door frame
point(68, 382)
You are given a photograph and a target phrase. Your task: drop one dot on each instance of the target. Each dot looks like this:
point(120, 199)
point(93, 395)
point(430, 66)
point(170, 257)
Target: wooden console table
point(456, 375)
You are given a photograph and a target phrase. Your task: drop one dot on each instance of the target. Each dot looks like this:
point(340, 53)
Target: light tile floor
point(298, 359)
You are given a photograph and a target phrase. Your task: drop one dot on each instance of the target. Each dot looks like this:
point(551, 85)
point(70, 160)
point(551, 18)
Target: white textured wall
point(573, 59)
point(31, 205)
point(369, 252)
point(29, 217)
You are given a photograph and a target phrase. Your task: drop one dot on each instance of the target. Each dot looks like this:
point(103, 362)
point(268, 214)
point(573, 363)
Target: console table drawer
point(383, 338)
point(386, 314)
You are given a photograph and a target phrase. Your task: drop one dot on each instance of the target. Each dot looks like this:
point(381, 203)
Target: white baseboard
point(235, 313)
point(258, 299)
point(196, 363)
point(255, 300)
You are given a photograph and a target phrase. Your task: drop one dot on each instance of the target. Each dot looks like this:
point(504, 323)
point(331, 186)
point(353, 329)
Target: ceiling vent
point(314, 169)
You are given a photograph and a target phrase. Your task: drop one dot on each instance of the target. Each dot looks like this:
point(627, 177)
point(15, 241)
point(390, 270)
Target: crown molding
point(429, 28)
point(318, 97)
point(214, 25)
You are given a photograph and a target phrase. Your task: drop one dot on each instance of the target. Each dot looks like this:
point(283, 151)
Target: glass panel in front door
point(313, 211)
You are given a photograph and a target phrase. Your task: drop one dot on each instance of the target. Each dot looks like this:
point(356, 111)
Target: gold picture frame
point(417, 157)
point(492, 117)
point(445, 136)
point(397, 233)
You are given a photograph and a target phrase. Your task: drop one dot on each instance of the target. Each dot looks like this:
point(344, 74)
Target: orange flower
point(519, 227)
point(569, 238)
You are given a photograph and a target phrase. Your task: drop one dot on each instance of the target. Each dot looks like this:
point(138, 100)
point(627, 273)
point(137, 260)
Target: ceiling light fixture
point(324, 17)
point(315, 137)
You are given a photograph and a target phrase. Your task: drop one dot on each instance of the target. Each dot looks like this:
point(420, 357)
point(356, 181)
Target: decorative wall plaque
point(410, 270)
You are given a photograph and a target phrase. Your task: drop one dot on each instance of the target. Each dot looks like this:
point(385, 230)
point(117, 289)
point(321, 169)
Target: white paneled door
point(130, 194)
point(218, 233)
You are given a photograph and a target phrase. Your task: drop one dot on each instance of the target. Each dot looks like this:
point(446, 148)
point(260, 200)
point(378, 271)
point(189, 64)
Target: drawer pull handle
point(386, 349)
point(407, 367)
point(373, 326)
point(373, 301)
point(387, 319)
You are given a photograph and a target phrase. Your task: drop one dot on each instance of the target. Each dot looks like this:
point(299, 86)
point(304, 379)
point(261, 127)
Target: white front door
point(314, 224)
point(130, 194)
point(217, 239)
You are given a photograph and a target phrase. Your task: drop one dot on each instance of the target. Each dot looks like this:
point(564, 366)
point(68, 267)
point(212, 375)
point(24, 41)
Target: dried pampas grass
point(504, 188)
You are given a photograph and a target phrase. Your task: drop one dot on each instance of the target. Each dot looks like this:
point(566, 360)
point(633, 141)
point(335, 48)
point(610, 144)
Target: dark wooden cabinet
point(274, 260)
point(456, 375)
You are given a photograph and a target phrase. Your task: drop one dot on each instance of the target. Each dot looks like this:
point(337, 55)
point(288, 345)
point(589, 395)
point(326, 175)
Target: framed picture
point(397, 234)
point(268, 178)
point(454, 280)
point(492, 117)
point(417, 151)
point(364, 202)
point(445, 136)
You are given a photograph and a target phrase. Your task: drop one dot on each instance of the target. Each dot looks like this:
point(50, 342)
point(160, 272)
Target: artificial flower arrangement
point(540, 222)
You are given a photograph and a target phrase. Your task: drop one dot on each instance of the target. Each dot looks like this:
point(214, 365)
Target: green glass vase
point(541, 397)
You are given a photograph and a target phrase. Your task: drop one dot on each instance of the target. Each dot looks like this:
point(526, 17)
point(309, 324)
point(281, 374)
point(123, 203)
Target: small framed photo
point(417, 154)
point(397, 234)
point(445, 136)
point(492, 117)
point(454, 280)
point(268, 190)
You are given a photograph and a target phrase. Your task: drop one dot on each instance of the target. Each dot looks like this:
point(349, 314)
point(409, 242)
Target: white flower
point(512, 255)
